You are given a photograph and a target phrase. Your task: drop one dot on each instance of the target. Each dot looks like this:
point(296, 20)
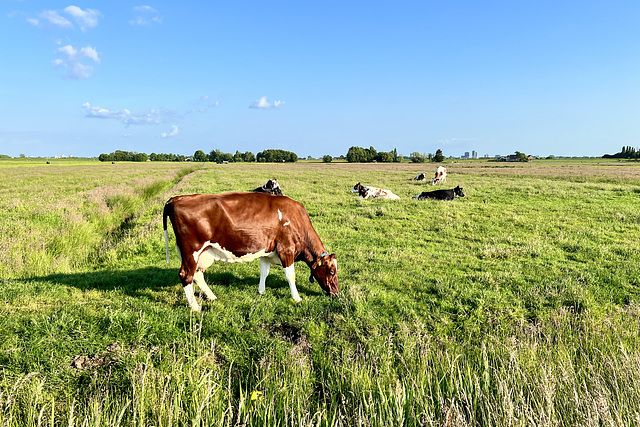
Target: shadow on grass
point(137, 282)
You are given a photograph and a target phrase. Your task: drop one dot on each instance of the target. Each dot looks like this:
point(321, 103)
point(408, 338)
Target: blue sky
point(543, 77)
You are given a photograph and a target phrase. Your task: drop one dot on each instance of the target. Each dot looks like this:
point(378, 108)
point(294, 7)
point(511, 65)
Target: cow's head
point(356, 188)
point(363, 191)
point(273, 187)
point(458, 191)
point(325, 270)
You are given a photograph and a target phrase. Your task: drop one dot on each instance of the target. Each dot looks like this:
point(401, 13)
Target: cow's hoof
point(196, 309)
point(211, 297)
point(260, 292)
point(298, 299)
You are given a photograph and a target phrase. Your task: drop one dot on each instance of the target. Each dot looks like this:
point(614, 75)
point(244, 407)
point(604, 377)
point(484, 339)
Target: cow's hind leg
point(265, 267)
point(187, 284)
point(198, 279)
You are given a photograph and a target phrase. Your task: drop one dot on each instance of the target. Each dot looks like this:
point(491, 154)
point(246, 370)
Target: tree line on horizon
point(355, 154)
point(215, 156)
point(627, 152)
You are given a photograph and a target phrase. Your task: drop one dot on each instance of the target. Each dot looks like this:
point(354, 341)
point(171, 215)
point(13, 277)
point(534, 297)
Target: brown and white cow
point(240, 227)
point(367, 192)
point(441, 175)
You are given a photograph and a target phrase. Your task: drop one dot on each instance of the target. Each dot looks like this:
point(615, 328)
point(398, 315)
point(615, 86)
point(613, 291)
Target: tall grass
point(517, 305)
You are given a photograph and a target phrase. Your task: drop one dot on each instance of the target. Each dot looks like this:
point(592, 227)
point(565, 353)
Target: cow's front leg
point(265, 266)
point(290, 274)
point(191, 299)
point(198, 279)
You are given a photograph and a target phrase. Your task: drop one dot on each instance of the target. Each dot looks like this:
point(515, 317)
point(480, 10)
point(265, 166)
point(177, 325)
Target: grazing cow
point(271, 187)
point(441, 194)
point(441, 175)
point(373, 192)
point(240, 227)
point(420, 177)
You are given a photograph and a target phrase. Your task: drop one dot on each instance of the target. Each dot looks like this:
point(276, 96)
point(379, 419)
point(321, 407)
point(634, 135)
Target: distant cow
point(421, 177)
point(373, 192)
point(271, 187)
point(441, 194)
point(241, 227)
point(441, 175)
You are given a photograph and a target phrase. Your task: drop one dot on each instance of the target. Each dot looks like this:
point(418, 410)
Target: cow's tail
point(168, 209)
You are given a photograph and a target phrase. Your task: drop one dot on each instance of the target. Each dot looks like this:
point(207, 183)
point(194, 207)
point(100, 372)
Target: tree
point(439, 157)
point(248, 156)
point(385, 157)
point(372, 154)
point(217, 156)
point(199, 156)
point(356, 155)
point(327, 158)
point(418, 157)
point(276, 155)
point(521, 157)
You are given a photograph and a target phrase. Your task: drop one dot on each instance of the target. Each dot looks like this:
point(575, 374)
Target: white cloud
point(153, 117)
point(72, 60)
point(174, 132)
point(84, 18)
point(145, 15)
point(53, 18)
point(263, 104)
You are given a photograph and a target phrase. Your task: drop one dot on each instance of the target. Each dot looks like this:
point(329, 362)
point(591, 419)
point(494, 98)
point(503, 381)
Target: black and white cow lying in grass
point(271, 187)
point(373, 192)
point(441, 194)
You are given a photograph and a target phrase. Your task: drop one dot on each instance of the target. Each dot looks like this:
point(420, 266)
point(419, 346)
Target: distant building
point(474, 154)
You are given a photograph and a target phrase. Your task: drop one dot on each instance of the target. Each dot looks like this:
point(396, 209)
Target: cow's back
point(240, 222)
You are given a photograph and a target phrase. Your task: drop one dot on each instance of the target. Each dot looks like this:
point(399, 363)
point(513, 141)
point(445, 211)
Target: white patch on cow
point(279, 215)
point(212, 252)
point(286, 223)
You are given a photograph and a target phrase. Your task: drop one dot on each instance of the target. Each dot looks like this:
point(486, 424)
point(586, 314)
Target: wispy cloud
point(452, 141)
point(152, 117)
point(263, 104)
point(85, 19)
point(174, 132)
point(50, 18)
point(145, 15)
point(203, 104)
point(73, 58)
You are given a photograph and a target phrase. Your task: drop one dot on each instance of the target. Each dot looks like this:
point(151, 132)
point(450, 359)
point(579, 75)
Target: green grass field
point(517, 305)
